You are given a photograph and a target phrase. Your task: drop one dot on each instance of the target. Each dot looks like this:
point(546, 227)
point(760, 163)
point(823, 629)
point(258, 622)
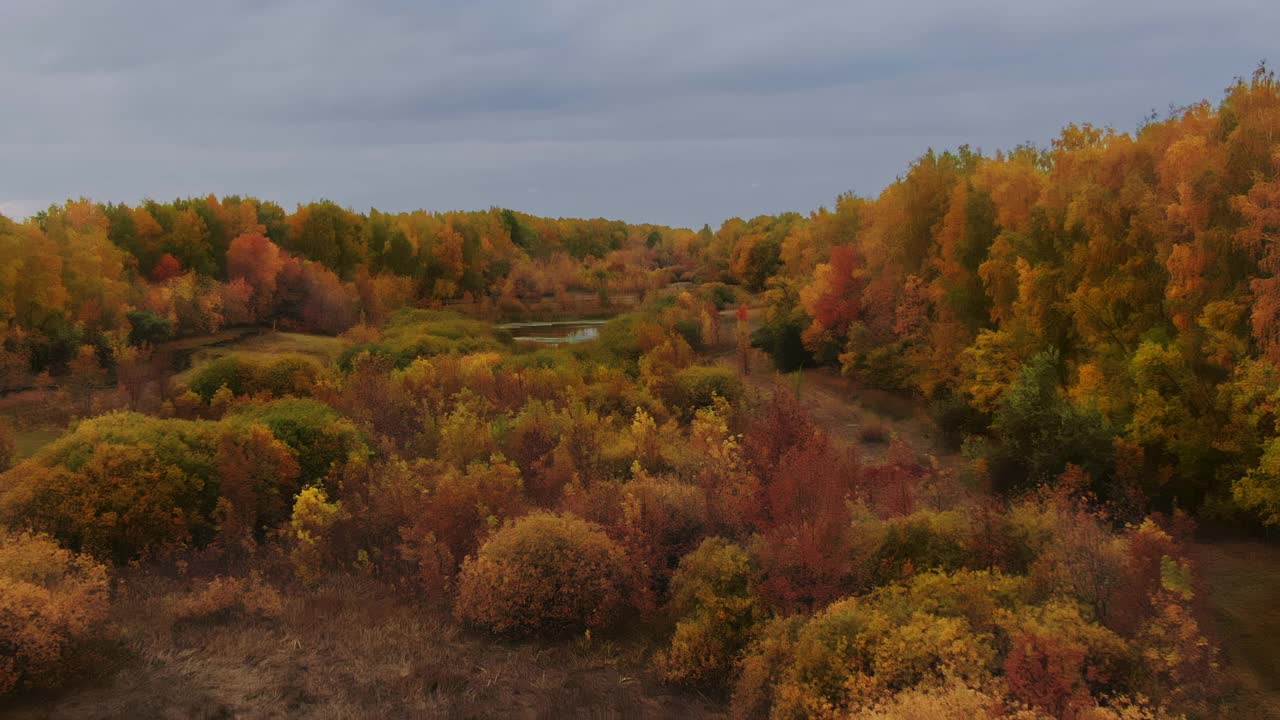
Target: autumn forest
point(1002, 441)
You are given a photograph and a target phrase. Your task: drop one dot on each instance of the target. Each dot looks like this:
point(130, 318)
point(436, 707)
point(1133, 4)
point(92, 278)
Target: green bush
point(716, 611)
point(544, 573)
point(1037, 431)
point(120, 486)
point(282, 376)
point(147, 328)
point(413, 333)
point(720, 294)
point(781, 338)
point(620, 342)
point(319, 436)
point(289, 375)
point(698, 385)
point(231, 371)
point(923, 540)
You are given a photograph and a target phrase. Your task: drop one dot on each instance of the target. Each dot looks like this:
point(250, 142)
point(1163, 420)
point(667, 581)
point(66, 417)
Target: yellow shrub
point(49, 599)
point(716, 610)
point(952, 702)
point(544, 573)
point(313, 517)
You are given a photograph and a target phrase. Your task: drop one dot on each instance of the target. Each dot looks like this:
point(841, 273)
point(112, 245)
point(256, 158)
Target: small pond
point(559, 332)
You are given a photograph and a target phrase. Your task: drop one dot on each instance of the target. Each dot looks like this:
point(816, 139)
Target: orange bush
point(224, 598)
point(544, 573)
point(49, 599)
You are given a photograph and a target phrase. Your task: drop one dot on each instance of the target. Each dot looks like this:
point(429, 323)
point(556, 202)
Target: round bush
point(544, 573)
point(289, 375)
point(697, 386)
point(232, 371)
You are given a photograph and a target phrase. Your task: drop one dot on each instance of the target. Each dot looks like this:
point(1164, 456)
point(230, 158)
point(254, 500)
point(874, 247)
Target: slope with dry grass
point(349, 649)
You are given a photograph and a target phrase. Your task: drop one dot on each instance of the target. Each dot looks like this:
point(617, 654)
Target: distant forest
point(1130, 283)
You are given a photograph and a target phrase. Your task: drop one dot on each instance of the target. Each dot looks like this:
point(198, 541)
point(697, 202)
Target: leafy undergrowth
point(347, 649)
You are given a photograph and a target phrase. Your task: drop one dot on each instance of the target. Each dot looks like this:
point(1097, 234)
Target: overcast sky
point(671, 111)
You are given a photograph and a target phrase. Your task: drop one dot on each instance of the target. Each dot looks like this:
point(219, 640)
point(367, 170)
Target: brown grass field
point(348, 649)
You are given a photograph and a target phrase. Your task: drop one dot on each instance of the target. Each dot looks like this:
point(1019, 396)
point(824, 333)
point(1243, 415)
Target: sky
point(679, 112)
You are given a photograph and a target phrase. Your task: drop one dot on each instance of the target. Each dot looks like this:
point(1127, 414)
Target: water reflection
point(559, 332)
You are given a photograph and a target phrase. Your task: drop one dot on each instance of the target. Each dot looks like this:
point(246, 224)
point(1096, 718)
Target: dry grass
point(321, 347)
point(30, 441)
point(1243, 580)
point(349, 649)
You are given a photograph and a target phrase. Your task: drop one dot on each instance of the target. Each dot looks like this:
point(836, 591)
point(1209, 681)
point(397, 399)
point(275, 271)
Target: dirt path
point(839, 405)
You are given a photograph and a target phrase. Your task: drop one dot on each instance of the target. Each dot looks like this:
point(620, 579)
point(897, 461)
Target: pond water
point(559, 332)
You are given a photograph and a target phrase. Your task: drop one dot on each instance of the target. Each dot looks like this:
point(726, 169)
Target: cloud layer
point(679, 112)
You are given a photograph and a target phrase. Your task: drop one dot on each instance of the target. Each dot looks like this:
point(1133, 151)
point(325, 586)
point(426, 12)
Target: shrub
point(810, 550)
point(314, 517)
point(780, 336)
point(712, 598)
point(147, 328)
point(620, 341)
point(465, 435)
point(1084, 560)
point(662, 520)
point(228, 598)
point(120, 486)
point(230, 371)
point(954, 701)
point(461, 506)
point(289, 375)
point(414, 333)
point(923, 540)
point(319, 437)
point(697, 386)
point(1055, 656)
point(49, 600)
point(721, 295)
point(1179, 664)
point(258, 479)
point(932, 631)
point(544, 573)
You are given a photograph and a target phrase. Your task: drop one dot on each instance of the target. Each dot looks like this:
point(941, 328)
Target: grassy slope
point(1243, 581)
point(268, 346)
point(346, 650)
point(28, 442)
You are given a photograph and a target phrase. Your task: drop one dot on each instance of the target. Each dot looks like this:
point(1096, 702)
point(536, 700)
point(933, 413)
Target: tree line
point(1111, 301)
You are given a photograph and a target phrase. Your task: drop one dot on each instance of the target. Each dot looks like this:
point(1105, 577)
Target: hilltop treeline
point(85, 273)
point(1112, 301)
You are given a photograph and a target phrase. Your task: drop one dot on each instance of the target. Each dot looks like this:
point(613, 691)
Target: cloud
point(646, 111)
